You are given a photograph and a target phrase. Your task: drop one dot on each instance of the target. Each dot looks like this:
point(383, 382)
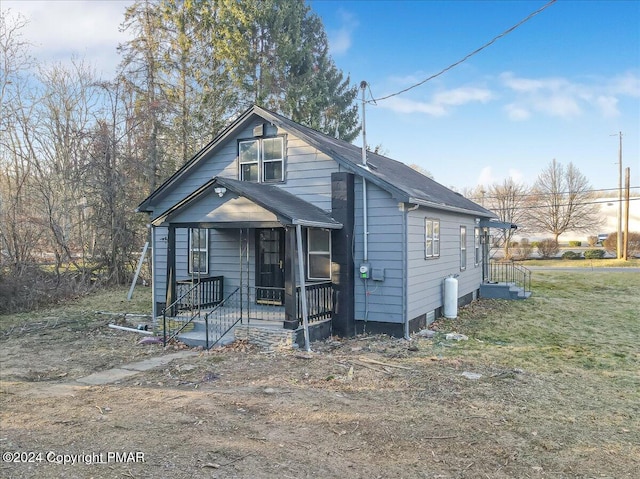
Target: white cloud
point(517, 112)
point(486, 177)
point(440, 103)
point(60, 29)
point(340, 38)
point(461, 96)
point(608, 106)
point(627, 84)
point(560, 97)
point(516, 175)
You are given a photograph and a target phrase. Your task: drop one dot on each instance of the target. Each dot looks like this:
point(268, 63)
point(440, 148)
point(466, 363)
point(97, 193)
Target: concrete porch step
point(503, 291)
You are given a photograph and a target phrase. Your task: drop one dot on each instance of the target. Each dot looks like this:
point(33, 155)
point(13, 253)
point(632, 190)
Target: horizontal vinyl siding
point(425, 277)
point(308, 173)
point(223, 164)
point(385, 252)
point(224, 256)
point(159, 250)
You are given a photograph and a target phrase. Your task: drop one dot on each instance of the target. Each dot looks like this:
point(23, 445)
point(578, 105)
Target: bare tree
point(562, 201)
point(20, 230)
point(508, 200)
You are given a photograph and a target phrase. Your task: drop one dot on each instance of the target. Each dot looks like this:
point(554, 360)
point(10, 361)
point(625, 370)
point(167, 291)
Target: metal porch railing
point(319, 301)
point(224, 316)
point(510, 273)
point(173, 325)
point(244, 304)
point(199, 292)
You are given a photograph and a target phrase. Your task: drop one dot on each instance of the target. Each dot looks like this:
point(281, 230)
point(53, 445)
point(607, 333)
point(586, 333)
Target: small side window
point(463, 248)
point(432, 238)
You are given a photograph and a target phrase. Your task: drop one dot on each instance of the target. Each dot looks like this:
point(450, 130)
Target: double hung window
point(319, 254)
point(476, 243)
point(262, 160)
point(463, 248)
point(432, 238)
point(198, 251)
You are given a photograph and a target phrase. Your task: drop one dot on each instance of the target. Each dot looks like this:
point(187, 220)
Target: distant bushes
point(548, 248)
point(571, 255)
point(33, 287)
point(575, 244)
point(610, 244)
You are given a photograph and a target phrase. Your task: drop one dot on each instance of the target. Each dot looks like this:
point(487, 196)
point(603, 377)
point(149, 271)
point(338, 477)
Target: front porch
point(203, 316)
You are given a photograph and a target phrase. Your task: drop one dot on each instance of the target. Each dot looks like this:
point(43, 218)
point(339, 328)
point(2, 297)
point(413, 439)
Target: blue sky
point(559, 86)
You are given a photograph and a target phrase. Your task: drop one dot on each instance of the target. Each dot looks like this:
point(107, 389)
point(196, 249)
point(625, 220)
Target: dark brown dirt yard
point(367, 407)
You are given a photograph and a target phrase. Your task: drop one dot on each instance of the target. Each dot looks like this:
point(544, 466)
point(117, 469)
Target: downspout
point(405, 300)
point(365, 213)
point(405, 263)
point(365, 216)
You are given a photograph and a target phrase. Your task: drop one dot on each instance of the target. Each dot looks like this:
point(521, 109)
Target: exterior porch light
point(220, 190)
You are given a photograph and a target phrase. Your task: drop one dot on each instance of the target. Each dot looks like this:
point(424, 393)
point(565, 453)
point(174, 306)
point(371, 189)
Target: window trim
point(261, 162)
point(477, 244)
point(434, 239)
point(193, 250)
point(463, 248)
point(241, 163)
point(318, 253)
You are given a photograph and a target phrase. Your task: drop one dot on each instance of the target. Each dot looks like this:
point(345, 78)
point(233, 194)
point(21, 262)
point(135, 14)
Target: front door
point(270, 266)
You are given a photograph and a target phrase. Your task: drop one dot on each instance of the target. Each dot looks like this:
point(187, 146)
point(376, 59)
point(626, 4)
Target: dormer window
point(262, 160)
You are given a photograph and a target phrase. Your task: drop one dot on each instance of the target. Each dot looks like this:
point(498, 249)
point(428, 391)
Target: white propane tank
point(451, 297)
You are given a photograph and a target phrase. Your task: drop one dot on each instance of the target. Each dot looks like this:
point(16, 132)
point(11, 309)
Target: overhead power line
point(561, 205)
point(528, 195)
point(475, 52)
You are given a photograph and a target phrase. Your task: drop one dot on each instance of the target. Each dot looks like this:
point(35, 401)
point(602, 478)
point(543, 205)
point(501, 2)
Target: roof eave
point(143, 206)
point(454, 209)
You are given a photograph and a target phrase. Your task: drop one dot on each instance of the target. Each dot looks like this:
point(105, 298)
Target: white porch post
point(303, 289)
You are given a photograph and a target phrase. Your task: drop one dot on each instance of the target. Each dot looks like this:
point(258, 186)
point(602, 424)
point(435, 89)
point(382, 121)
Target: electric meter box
point(365, 270)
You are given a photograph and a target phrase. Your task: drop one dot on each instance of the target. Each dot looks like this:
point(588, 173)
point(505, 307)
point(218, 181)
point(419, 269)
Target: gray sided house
point(276, 226)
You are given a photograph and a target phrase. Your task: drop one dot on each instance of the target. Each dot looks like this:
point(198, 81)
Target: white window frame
point(311, 252)
point(272, 160)
point(431, 240)
point(477, 243)
point(260, 160)
point(199, 250)
point(252, 162)
point(463, 248)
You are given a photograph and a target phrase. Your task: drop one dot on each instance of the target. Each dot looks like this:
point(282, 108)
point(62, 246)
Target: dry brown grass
point(558, 397)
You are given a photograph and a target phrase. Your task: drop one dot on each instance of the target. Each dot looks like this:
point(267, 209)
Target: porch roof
point(287, 208)
point(498, 224)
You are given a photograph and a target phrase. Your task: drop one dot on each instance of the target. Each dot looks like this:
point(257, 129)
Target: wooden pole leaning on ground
point(625, 244)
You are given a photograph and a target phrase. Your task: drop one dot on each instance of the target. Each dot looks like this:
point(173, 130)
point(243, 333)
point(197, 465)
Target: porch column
point(290, 299)
point(171, 269)
point(485, 254)
point(342, 276)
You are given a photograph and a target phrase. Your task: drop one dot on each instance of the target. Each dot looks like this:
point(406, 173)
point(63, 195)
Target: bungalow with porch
point(277, 232)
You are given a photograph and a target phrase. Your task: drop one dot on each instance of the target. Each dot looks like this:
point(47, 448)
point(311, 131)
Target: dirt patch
point(368, 407)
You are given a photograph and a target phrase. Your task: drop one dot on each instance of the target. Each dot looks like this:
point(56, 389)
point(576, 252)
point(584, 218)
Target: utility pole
point(619, 234)
point(627, 181)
